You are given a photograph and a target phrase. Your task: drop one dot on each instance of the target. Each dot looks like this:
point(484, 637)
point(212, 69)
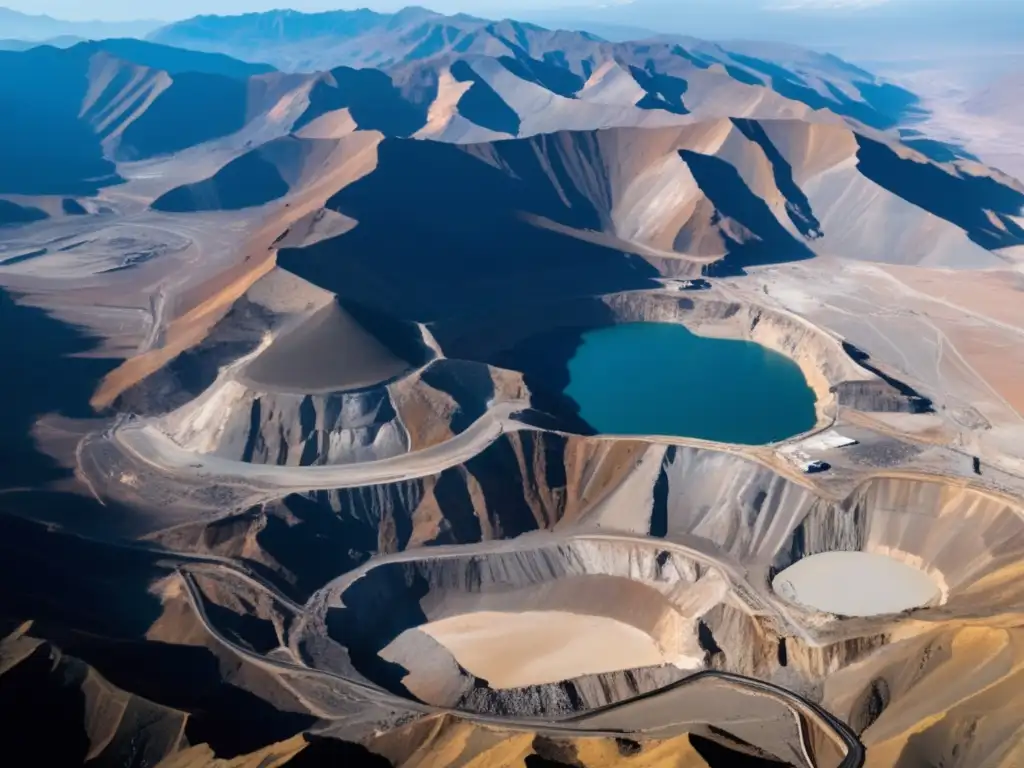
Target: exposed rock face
point(571, 697)
point(760, 525)
point(817, 663)
point(880, 397)
point(739, 507)
point(541, 340)
point(292, 430)
point(761, 520)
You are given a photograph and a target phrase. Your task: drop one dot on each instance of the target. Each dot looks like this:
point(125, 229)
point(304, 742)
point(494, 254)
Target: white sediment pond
point(855, 584)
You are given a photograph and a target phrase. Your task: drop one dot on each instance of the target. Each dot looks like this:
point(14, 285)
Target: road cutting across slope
point(834, 728)
point(149, 444)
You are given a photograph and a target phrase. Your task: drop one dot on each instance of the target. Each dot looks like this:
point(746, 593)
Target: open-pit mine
point(527, 399)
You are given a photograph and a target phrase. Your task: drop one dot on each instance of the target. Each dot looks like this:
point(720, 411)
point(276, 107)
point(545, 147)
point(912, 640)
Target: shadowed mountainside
point(372, 99)
point(54, 377)
point(12, 213)
point(48, 150)
point(613, 204)
point(432, 266)
point(172, 60)
point(246, 181)
point(169, 124)
point(80, 108)
point(944, 192)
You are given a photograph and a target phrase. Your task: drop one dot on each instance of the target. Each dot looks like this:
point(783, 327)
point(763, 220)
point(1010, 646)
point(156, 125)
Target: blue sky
point(76, 10)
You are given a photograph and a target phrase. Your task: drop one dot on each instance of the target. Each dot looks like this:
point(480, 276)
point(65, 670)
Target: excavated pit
point(544, 629)
point(462, 610)
point(429, 629)
point(966, 542)
point(522, 626)
point(532, 647)
point(289, 377)
point(725, 383)
point(297, 420)
point(541, 341)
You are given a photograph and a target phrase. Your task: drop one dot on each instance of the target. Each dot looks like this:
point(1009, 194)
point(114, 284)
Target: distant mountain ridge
point(758, 158)
point(62, 41)
point(452, 79)
point(15, 25)
point(563, 61)
point(295, 41)
point(853, 27)
point(83, 107)
point(174, 60)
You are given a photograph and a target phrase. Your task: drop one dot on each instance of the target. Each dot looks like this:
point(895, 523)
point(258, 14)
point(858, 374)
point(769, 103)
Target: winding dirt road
point(147, 443)
point(571, 726)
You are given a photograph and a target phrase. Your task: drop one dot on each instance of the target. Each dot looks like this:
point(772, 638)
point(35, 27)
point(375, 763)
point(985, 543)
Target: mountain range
point(15, 25)
point(863, 30)
point(292, 475)
point(859, 29)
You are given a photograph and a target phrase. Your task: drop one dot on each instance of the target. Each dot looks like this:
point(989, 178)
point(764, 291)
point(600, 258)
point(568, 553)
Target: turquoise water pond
point(661, 379)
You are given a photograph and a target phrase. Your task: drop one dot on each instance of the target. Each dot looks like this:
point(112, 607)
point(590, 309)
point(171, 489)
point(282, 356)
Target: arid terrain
point(290, 476)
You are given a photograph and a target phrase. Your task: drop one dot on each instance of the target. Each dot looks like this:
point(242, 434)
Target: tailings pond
point(856, 584)
point(661, 379)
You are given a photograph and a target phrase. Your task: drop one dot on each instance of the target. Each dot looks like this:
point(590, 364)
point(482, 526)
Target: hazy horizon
point(122, 10)
point(163, 10)
point(865, 30)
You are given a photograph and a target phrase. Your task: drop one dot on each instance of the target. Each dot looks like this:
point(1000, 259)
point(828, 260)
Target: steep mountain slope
point(83, 107)
point(47, 88)
point(128, 100)
point(12, 213)
point(42, 692)
point(739, 193)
